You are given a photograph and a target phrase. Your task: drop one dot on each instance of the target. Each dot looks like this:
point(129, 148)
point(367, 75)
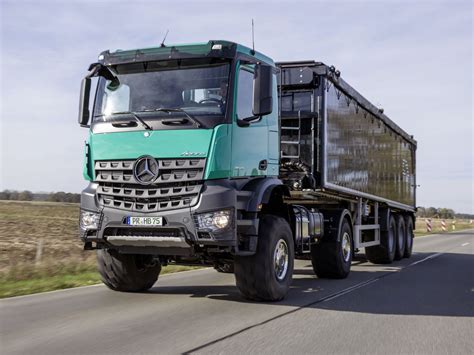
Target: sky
point(413, 58)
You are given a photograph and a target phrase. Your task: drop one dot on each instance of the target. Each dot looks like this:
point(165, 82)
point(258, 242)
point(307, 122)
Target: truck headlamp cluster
point(89, 220)
point(214, 221)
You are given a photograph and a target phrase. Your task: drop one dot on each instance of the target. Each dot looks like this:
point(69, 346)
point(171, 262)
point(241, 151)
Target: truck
point(214, 154)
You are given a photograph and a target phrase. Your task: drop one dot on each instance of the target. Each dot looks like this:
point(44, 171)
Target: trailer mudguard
point(332, 223)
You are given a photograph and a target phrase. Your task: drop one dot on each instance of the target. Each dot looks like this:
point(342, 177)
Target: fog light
point(214, 221)
point(89, 220)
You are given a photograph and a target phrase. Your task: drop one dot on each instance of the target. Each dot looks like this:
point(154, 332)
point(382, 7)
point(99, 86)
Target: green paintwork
point(159, 144)
point(164, 144)
point(218, 163)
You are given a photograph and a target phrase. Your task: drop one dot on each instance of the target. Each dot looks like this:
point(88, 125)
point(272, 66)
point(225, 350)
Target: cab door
point(249, 143)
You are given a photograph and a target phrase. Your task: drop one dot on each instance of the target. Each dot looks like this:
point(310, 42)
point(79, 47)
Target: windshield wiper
point(136, 117)
point(188, 115)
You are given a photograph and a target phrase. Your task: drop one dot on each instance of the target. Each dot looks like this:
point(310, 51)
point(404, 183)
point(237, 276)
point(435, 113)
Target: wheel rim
point(346, 247)
point(280, 259)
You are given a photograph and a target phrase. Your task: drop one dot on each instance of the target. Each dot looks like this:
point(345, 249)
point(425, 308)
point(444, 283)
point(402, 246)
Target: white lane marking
point(368, 282)
point(463, 245)
point(432, 256)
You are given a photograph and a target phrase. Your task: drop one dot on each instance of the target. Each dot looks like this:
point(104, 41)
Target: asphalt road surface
point(420, 305)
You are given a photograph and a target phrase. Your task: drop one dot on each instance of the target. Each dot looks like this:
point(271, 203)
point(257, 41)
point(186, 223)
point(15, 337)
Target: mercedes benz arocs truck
point(213, 154)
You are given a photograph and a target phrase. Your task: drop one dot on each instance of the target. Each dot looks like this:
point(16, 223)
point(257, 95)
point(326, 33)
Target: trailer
point(213, 154)
point(337, 149)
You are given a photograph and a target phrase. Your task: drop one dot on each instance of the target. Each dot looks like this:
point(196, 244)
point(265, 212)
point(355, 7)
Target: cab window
point(244, 94)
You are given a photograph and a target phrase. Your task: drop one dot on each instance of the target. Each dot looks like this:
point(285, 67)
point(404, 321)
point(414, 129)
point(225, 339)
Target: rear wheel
point(333, 259)
point(401, 238)
point(385, 252)
point(267, 274)
point(410, 236)
point(127, 272)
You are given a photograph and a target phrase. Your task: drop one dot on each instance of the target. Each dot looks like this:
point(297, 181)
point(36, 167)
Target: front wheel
point(267, 275)
point(127, 272)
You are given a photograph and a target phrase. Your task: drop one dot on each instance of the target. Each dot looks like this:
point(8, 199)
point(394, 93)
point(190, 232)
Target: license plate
point(144, 221)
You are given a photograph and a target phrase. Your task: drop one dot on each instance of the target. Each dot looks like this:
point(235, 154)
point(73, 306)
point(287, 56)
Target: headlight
point(89, 220)
point(214, 221)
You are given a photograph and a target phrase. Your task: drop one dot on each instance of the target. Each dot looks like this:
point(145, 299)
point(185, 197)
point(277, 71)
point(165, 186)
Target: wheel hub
point(280, 259)
point(346, 247)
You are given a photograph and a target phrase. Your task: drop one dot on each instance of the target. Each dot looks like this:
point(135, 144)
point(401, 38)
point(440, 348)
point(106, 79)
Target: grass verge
point(38, 281)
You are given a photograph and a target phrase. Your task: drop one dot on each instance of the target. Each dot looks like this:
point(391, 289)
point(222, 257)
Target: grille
point(178, 185)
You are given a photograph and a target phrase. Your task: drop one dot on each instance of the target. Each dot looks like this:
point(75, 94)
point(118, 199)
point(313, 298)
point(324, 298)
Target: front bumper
point(178, 235)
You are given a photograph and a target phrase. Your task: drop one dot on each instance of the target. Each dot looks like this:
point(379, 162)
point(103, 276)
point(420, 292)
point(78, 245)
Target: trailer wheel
point(127, 272)
point(401, 238)
point(333, 259)
point(267, 275)
point(385, 252)
point(410, 236)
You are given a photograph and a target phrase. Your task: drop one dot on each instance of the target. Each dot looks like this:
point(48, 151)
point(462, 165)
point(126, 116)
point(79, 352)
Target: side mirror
point(262, 90)
point(84, 114)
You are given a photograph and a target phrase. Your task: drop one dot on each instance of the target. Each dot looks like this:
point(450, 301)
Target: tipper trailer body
point(213, 154)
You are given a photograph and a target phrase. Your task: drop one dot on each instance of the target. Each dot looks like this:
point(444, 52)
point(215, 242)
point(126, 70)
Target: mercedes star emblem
point(145, 170)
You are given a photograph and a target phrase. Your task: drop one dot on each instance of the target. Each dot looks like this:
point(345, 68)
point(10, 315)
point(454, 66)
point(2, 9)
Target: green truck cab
point(188, 162)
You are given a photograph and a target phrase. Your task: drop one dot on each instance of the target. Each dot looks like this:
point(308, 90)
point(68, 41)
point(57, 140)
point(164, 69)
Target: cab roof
point(213, 48)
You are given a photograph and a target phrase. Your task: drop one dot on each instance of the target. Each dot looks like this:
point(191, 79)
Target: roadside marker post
point(443, 225)
point(428, 225)
point(39, 252)
point(453, 225)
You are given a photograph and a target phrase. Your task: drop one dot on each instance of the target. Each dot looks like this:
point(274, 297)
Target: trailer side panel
point(363, 154)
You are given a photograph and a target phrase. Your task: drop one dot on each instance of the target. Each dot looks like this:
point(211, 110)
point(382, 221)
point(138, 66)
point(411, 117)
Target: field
point(41, 251)
point(26, 228)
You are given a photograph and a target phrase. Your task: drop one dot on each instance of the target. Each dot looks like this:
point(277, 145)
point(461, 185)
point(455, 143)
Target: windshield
point(199, 89)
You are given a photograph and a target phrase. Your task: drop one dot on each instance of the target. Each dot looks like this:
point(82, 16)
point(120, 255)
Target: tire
point(410, 236)
point(225, 268)
point(401, 238)
point(127, 272)
point(259, 277)
point(333, 259)
point(385, 252)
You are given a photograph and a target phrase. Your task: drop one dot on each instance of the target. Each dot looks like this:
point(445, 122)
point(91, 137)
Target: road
point(424, 304)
